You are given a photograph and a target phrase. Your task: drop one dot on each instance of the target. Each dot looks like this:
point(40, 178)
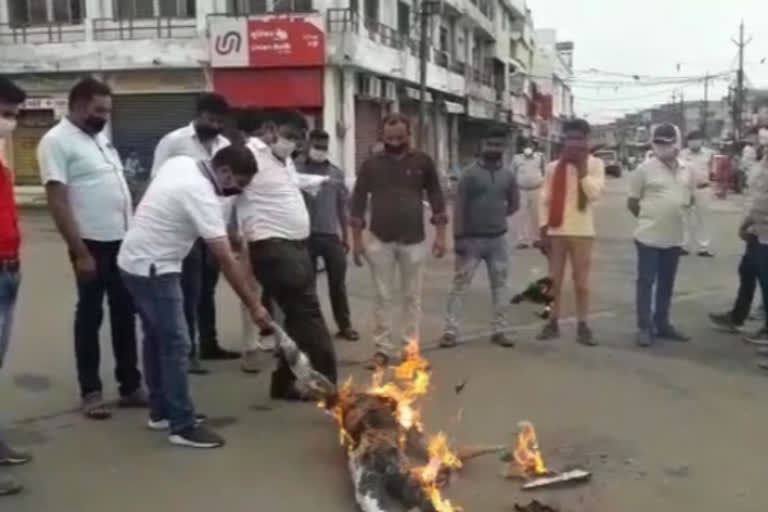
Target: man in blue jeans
point(10, 240)
point(487, 194)
point(183, 203)
point(660, 190)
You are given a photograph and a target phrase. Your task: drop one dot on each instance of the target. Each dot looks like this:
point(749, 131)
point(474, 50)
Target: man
point(11, 97)
point(328, 218)
point(396, 180)
point(487, 194)
point(659, 192)
point(182, 204)
point(91, 206)
point(276, 226)
point(700, 161)
point(200, 139)
point(529, 170)
point(571, 185)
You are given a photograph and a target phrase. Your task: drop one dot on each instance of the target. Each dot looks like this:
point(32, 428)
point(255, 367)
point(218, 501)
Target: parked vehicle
point(611, 160)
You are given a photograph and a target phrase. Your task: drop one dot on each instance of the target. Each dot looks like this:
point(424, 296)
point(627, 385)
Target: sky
point(658, 39)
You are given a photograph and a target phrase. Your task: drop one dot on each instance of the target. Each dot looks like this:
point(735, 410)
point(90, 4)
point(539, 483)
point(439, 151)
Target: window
point(403, 18)
point(39, 12)
point(292, 5)
point(371, 12)
point(443, 38)
point(354, 5)
point(138, 9)
point(239, 7)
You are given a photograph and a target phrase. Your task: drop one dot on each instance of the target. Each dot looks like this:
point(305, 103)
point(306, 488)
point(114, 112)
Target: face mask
point(395, 149)
point(492, 155)
point(318, 155)
point(206, 132)
point(282, 147)
point(527, 151)
point(694, 145)
point(95, 124)
point(231, 191)
point(665, 152)
point(6, 126)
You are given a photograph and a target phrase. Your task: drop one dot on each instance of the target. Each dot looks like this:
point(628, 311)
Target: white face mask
point(318, 155)
point(762, 137)
point(7, 126)
point(665, 152)
point(528, 151)
point(282, 147)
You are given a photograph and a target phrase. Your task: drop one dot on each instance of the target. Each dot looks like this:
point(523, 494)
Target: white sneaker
point(164, 424)
point(196, 436)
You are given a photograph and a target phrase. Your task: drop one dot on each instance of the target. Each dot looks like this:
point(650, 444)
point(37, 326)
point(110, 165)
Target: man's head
point(233, 167)
point(289, 127)
point(665, 142)
point(212, 111)
point(493, 145)
point(319, 141)
point(396, 133)
point(695, 140)
point(529, 148)
point(252, 122)
point(750, 138)
point(11, 98)
point(576, 140)
point(90, 104)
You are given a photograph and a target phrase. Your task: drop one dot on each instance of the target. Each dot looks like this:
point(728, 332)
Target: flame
point(527, 454)
point(408, 383)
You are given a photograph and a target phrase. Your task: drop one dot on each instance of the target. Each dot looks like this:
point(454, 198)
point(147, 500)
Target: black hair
point(86, 89)
point(577, 125)
point(283, 117)
point(695, 135)
point(10, 92)
point(497, 132)
point(212, 103)
point(318, 134)
point(250, 119)
point(394, 118)
point(238, 158)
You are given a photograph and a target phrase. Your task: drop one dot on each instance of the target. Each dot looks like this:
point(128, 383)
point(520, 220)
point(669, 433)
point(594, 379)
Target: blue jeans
point(9, 290)
point(759, 255)
point(160, 303)
point(470, 252)
point(657, 267)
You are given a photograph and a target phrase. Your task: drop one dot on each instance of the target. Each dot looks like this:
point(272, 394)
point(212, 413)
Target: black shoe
point(685, 252)
point(705, 254)
point(216, 353)
point(724, 322)
point(9, 485)
point(348, 334)
point(585, 337)
point(644, 338)
point(12, 457)
point(196, 436)
point(502, 340)
point(448, 340)
point(669, 333)
point(195, 368)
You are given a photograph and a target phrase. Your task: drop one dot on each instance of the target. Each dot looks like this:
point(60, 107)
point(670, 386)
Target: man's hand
point(744, 231)
point(345, 244)
point(358, 252)
point(438, 248)
point(544, 243)
point(85, 267)
point(260, 316)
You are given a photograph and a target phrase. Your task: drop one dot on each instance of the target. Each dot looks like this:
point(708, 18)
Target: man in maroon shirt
point(396, 180)
point(11, 97)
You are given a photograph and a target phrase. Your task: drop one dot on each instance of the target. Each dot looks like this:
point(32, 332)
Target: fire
point(406, 385)
point(527, 454)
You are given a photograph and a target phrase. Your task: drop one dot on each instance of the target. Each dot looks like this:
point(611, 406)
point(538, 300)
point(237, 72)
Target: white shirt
point(271, 206)
point(664, 195)
point(185, 142)
point(90, 167)
point(699, 162)
point(180, 206)
point(529, 171)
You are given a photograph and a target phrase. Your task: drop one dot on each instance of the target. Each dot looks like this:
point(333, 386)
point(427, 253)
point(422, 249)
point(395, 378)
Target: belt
point(702, 185)
point(10, 265)
point(530, 188)
point(279, 241)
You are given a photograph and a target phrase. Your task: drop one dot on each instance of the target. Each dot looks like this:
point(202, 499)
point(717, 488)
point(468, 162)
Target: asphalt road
point(674, 428)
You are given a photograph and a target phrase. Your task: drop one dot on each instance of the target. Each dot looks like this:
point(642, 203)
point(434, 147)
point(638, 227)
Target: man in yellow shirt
point(571, 185)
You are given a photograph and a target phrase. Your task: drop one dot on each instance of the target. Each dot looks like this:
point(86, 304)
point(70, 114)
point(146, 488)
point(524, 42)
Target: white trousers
point(528, 216)
point(697, 235)
point(383, 259)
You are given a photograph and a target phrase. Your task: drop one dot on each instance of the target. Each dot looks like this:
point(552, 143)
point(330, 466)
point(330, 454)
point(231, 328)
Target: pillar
point(348, 117)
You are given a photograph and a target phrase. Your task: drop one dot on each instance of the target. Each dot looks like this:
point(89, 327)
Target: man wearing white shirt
point(200, 139)
point(90, 202)
point(182, 205)
point(700, 161)
point(529, 171)
point(276, 226)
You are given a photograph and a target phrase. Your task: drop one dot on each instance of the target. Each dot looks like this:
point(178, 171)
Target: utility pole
point(682, 124)
point(426, 9)
point(705, 109)
point(738, 106)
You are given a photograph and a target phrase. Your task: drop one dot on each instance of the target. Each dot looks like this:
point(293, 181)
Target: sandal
point(94, 408)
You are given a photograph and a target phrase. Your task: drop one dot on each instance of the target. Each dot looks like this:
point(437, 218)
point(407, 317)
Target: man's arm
point(358, 205)
point(513, 196)
point(342, 198)
point(592, 184)
point(437, 203)
point(460, 207)
point(636, 190)
point(163, 152)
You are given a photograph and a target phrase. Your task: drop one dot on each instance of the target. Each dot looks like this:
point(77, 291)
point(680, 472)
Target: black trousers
point(206, 308)
point(89, 315)
point(330, 249)
point(748, 279)
point(285, 270)
point(191, 285)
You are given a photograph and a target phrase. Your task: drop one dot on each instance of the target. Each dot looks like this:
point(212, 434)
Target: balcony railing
point(45, 33)
point(481, 77)
point(458, 67)
point(384, 34)
point(108, 29)
point(343, 20)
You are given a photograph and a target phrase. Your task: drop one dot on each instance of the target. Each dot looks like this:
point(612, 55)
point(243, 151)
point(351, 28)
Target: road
point(672, 428)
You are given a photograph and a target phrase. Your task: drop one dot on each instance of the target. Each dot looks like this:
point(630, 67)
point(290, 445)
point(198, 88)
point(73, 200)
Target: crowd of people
point(228, 198)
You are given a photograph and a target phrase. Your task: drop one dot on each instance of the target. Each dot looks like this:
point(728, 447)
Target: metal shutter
point(140, 120)
point(367, 126)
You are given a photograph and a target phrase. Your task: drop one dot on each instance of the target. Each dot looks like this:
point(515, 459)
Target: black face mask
point(94, 124)
point(231, 191)
point(206, 132)
point(493, 156)
point(395, 150)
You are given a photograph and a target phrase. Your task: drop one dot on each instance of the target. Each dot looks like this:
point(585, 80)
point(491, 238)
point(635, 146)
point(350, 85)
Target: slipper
point(94, 408)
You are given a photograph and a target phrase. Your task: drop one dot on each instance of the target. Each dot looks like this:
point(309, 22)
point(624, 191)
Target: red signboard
point(285, 42)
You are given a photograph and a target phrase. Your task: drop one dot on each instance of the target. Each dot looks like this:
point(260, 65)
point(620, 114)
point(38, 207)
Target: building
point(553, 73)
point(343, 63)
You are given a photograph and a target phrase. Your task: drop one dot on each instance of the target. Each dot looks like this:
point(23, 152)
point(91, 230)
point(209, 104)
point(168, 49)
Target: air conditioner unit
point(390, 90)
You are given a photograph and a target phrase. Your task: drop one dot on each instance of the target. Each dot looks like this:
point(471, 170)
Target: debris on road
point(535, 506)
point(575, 476)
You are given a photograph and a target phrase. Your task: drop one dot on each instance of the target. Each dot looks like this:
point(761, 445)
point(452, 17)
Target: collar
point(257, 143)
point(207, 171)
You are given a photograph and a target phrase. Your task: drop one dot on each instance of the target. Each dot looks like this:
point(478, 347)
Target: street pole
point(705, 113)
point(738, 106)
point(424, 13)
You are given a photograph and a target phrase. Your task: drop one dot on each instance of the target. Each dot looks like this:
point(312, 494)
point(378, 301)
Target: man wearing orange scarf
point(571, 185)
